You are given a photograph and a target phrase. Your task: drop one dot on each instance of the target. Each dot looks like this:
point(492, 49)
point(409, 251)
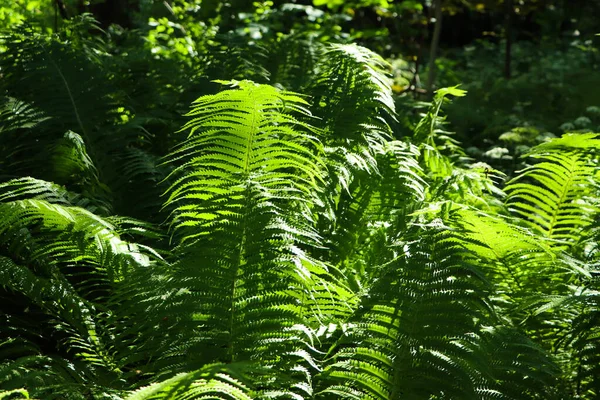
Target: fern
point(278, 246)
point(293, 60)
point(11, 393)
point(212, 381)
point(59, 266)
point(62, 100)
point(439, 149)
point(235, 57)
point(353, 90)
point(33, 61)
point(371, 203)
point(518, 261)
point(449, 175)
point(553, 195)
point(240, 199)
point(420, 334)
point(369, 177)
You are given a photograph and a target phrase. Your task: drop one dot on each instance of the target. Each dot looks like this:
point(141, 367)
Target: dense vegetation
point(255, 200)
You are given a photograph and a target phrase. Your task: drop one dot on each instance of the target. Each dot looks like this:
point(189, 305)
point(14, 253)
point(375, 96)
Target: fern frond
point(553, 195)
point(363, 213)
point(30, 188)
point(353, 91)
point(49, 74)
point(245, 184)
point(236, 57)
point(293, 60)
point(216, 381)
point(439, 150)
point(517, 260)
point(418, 333)
point(74, 114)
point(10, 394)
point(58, 300)
point(15, 115)
point(60, 266)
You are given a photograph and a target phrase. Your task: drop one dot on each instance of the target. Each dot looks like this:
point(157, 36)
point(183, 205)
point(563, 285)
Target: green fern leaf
point(241, 199)
point(210, 382)
point(553, 195)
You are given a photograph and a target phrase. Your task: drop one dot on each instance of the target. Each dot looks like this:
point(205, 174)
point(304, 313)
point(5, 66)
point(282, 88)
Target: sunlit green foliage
point(190, 211)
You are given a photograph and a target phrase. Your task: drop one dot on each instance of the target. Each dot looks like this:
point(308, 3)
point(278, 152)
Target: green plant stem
point(435, 41)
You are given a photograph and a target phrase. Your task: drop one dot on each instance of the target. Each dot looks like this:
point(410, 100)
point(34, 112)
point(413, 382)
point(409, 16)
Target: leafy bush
point(551, 84)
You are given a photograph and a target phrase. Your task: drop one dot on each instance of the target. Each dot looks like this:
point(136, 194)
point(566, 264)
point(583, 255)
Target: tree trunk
point(109, 12)
point(508, 31)
point(61, 9)
point(435, 41)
